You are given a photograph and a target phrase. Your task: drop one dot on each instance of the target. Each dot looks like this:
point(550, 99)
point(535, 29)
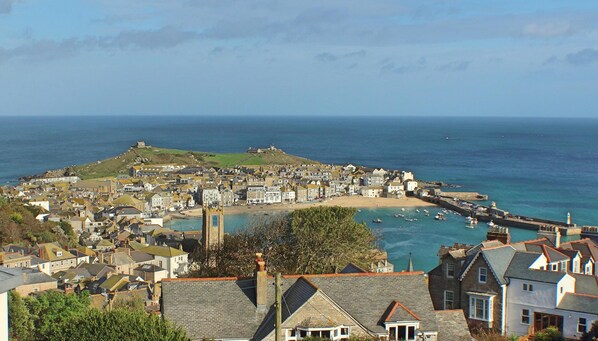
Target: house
point(15, 260)
point(273, 195)
point(175, 261)
point(35, 281)
point(391, 306)
point(300, 194)
point(59, 258)
point(210, 196)
point(150, 273)
point(256, 195)
point(9, 279)
point(538, 298)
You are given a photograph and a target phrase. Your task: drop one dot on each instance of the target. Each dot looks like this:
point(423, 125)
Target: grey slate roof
point(498, 259)
point(225, 308)
point(519, 268)
point(351, 269)
point(452, 326)
point(585, 284)
point(580, 303)
point(10, 278)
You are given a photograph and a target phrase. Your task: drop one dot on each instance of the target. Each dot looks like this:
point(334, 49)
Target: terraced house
point(386, 306)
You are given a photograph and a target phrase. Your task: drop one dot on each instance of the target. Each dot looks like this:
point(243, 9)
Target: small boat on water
point(377, 220)
point(403, 209)
point(491, 224)
point(397, 215)
point(417, 210)
point(469, 225)
point(440, 216)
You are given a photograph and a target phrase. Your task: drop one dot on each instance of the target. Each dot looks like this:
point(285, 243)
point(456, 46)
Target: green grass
point(152, 155)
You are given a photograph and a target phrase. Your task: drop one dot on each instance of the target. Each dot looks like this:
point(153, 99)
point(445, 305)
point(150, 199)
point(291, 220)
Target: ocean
point(535, 166)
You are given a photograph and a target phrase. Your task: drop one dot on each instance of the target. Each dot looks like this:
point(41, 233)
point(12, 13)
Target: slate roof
point(10, 279)
point(552, 255)
point(163, 251)
point(586, 284)
point(579, 303)
point(497, 258)
point(519, 268)
point(205, 308)
point(352, 268)
point(452, 326)
point(396, 311)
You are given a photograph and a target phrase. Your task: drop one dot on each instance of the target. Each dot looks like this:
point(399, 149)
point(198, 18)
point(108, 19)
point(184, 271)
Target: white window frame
point(579, 325)
point(450, 267)
point(487, 308)
point(335, 332)
point(485, 271)
point(407, 325)
point(523, 315)
point(452, 305)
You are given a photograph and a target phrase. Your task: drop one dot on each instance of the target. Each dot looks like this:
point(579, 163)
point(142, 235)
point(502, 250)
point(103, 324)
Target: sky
point(308, 57)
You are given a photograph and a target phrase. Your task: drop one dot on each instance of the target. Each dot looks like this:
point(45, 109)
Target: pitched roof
point(163, 251)
point(363, 296)
point(452, 325)
point(497, 258)
point(579, 302)
point(520, 268)
point(398, 312)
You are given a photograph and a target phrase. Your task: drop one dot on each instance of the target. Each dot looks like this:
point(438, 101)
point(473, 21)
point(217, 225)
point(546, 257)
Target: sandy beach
point(354, 201)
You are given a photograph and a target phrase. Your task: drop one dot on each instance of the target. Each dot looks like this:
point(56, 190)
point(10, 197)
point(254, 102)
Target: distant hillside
point(153, 155)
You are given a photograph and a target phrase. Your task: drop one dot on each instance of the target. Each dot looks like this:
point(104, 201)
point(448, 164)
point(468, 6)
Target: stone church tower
point(213, 227)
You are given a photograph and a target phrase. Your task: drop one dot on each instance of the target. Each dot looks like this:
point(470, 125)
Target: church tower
point(213, 227)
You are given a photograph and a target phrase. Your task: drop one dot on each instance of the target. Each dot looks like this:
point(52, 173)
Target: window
point(528, 287)
point(401, 332)
point(450, 270)
point(332, 333)
point(525, 316)
point(449, 297)
point(480, 308)
point(482, 275)
point(562, 289)
point(581, 325)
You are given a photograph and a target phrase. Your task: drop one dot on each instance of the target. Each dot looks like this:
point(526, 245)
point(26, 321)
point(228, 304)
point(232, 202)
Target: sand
point(354, 201)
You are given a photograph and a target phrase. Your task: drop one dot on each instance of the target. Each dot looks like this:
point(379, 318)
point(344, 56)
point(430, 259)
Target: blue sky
point(333, 57)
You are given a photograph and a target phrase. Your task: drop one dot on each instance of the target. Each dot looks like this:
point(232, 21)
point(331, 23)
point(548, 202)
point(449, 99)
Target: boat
point(491, 224)
point(403, 209)
point(377, 220)
point(440, 216)
point(426, 211)
point(417, 210)
point(470, 225)
point(396, 215)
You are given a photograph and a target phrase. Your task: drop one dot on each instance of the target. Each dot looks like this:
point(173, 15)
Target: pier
point(500, 217)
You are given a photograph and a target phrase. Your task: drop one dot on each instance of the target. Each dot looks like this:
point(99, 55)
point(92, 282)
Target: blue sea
point(536, 166)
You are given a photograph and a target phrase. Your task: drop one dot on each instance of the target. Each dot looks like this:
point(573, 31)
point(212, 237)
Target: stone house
point(385, 306)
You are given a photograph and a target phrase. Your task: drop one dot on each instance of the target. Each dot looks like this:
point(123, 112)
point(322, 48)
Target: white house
point(273, 195)
point(175, 261)
point(538, 298)
point(210, 196)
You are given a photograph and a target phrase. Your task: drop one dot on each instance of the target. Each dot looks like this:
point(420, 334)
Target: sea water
point(533, 166)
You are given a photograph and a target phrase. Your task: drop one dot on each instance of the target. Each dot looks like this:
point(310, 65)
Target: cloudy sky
point(333, 57)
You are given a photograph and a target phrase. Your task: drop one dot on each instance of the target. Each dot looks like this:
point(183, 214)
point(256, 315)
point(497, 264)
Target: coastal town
point(116, 247)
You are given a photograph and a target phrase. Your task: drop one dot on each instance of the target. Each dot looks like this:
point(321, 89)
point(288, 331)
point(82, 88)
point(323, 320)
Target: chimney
point(499, 233)
point(261, 283)
point(552, 233)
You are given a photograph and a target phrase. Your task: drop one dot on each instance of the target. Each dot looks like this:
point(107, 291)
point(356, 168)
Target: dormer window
point(59, 253)
point(331, 333)
point(402, 331)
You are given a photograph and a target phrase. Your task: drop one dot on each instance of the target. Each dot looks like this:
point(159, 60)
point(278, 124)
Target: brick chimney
point(499, 233)
point(261, 283)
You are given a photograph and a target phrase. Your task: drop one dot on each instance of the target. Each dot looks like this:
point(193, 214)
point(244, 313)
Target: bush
point(549, 334)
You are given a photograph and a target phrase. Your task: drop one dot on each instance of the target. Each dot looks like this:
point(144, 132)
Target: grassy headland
point(121, 164)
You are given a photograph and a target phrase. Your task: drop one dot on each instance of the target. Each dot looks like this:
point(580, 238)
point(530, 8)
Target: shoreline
point(353, 201)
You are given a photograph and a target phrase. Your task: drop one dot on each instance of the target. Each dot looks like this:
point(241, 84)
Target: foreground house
point(386, 306)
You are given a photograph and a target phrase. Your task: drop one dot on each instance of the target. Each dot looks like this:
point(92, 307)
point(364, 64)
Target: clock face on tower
point(215, 220)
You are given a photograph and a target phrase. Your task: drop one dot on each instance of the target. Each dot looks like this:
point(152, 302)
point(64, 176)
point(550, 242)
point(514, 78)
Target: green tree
point(313, 240)
point(328, 238)
point(20, 322)
point(52, 307)
point(115, 325)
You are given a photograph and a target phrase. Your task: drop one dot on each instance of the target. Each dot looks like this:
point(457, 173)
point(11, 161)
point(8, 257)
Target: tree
point(592, 335)
point(328, 238)
point(307, 241)
point(20, 322)
point(115, 325)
